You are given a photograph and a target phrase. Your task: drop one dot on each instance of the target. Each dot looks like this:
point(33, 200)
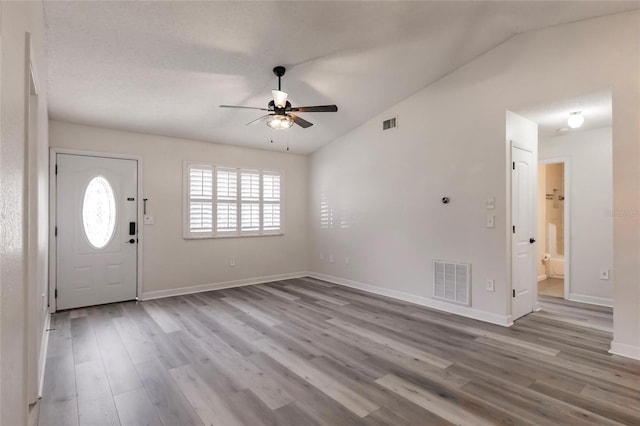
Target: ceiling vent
point(389, 124)
point(451, 282)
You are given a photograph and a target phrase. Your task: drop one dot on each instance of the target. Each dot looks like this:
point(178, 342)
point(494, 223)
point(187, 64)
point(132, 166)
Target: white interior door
point(97, 240)
point(523, 232)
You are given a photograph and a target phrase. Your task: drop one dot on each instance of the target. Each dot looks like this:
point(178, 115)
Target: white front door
point(97, 241)
point(523, 231)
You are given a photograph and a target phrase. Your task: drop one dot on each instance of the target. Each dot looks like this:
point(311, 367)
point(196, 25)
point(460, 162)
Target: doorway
point(522, 137)
point(553, 228)
point(574, 228)
point(96, 230)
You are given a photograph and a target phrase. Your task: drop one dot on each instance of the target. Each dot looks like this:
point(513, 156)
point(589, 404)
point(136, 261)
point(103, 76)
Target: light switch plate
point(491, 285)
point(149, 220)
point(604, 274)
point(491, 203)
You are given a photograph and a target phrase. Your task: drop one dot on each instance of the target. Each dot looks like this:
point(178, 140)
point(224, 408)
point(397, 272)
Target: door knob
point(532, 240)
point(131, 241)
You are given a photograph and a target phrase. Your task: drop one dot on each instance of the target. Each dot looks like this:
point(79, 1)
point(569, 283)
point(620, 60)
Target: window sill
point(224, 237)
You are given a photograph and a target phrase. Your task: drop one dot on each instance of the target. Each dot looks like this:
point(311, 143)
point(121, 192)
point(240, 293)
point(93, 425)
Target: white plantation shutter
point(271, 186)
point(227, 184)
point(271, 217)
point(250, 201)
point(224, 202)
point(271, 202)
point(227, 200)
point(250, 186)
point(200, 207)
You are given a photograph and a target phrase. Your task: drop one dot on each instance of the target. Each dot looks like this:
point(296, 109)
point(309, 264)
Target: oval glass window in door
point(99, 212)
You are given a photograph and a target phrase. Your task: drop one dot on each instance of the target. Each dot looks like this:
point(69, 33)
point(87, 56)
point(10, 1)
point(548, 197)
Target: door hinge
point(55, 232)
point(55, 293)
point(56, 169)
point(514, 229)
point(514, 292)
point(514, 165)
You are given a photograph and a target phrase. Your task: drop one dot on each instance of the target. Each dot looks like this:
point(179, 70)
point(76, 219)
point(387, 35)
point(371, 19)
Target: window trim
point(238, 233)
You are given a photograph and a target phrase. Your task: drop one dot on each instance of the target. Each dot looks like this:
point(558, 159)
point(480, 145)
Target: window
point(231, 202)
point(99, 212)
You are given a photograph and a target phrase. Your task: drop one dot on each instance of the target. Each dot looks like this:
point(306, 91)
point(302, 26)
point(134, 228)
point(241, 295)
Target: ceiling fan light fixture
point(575, 119)
point(279, 98)
point(279, 122)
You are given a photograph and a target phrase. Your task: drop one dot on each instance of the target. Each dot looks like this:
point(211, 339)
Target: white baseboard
point(593, 300)
point(464, 311)
point(625, 350)
point(44, 346)
point(542, 277)
point(148, 295)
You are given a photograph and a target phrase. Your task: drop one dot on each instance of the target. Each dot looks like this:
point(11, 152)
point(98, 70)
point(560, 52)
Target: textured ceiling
point(552, 117)
point(164, 67)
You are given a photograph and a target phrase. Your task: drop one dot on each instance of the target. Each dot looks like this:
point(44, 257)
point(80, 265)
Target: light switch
point(491, 219)
point(491, 285)
point(149, 220)
point(491, 203)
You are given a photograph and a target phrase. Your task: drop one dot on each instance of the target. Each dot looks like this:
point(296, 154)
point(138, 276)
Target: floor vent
point(391, 123)
point(452, 282)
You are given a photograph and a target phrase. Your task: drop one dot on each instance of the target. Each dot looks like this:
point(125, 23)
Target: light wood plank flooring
point(592, 316)
point(306, 352)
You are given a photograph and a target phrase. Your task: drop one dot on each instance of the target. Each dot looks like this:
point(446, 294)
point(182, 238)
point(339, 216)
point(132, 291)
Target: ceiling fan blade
point(300, 121)
point(319, 108)
point(279, 98)
point(258, 119)
point(243, 107)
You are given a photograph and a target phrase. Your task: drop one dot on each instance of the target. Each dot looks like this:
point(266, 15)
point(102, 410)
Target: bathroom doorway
point(553, 228)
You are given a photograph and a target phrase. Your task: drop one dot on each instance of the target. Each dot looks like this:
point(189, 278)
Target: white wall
point(171, 263)
point(591, 204)
point(18, 18)
point(451, 142)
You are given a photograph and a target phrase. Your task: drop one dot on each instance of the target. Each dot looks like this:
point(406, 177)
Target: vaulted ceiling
point(165, 67)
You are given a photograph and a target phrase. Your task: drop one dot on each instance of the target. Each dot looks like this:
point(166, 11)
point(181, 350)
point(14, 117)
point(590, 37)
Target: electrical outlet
point(330, 258)
point(491, 221)
point(491, 285)
point(604, 274)
point(232, 261)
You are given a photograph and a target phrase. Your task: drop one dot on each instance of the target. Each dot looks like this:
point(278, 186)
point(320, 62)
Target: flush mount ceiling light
point(575, 119)
point(278, 121)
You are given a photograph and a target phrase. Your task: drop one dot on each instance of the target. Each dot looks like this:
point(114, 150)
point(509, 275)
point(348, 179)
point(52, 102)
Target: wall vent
point(391, 123)
point(452, 282)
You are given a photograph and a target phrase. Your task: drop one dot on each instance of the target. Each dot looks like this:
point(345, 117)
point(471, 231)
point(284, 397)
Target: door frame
point(534, 218)
point(31, 230)
point(567, 219)
point(52, 215)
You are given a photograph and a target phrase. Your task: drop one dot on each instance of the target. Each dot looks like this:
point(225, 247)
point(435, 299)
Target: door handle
point(532, 240)
point(131, 241)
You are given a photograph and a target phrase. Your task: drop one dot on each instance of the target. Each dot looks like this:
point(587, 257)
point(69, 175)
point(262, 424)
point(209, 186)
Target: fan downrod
point(279, 72)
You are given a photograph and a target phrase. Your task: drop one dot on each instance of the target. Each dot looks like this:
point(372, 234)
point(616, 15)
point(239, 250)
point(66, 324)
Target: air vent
point(391, 123)
point(451, 282)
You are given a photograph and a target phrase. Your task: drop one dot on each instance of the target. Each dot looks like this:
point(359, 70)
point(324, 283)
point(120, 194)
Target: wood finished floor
point(305, 352)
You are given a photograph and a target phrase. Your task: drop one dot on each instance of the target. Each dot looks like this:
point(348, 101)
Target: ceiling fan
point(280, 114)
